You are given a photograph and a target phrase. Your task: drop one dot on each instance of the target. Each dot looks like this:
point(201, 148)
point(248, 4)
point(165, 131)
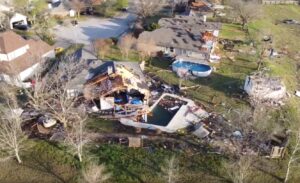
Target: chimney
point(109, 70)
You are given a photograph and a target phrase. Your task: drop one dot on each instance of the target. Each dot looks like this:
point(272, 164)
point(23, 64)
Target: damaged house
point(112, 89)
point(185, 36)
point(19, 58)
point(261, 87)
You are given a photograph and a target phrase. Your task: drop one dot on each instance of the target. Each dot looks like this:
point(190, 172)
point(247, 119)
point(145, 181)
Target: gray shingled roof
point(180, 32)
point(171, 37)
point(190, 23)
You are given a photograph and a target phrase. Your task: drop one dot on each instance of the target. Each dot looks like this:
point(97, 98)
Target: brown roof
point(10, 41)
point(36, 50)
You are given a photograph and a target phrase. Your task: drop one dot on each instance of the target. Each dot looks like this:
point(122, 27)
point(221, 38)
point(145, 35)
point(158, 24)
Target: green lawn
point(232, 31)
point(285, 37)
point(115, 54)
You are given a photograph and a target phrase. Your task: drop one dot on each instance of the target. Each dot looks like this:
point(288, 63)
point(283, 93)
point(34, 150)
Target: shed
point(72, 13)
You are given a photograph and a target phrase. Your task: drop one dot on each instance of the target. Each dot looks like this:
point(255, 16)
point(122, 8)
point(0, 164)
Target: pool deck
point(193, 60)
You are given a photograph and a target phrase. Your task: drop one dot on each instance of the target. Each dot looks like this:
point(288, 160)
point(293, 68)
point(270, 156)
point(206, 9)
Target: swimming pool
point(199, 70)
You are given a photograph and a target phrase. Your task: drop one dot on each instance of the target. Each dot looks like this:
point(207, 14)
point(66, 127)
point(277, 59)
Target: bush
point(106, 9)
point(120, 4)
point(48, 39)
point(153, 27)
point(114, 40)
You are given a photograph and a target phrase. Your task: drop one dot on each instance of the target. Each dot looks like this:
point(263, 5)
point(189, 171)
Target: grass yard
point(221, 90)
point(43, 162)
point(232, 31)
point(286, 37)
point(115, 54)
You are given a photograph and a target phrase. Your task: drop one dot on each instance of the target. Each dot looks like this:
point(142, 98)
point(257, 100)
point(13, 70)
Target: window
point(172, 49)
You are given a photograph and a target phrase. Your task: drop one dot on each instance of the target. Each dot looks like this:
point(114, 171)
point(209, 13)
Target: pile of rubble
point(265, 89)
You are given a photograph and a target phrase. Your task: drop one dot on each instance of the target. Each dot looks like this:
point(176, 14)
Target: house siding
point(13, 55)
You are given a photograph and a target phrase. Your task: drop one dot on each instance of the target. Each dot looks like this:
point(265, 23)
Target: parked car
point(125, 9)
point(20, 26)
point(87, 11)
point(290, 21)
point(74, 22)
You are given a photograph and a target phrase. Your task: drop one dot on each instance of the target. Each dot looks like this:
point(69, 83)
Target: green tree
point(39, 6)
point(122, 4)
point(21, 5)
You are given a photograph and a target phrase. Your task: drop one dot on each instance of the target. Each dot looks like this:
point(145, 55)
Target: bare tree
point(78, 5)
point(170, 170)
point(293, 117)
point(76, 139)
point(294, 158)
point(146, 49)
point(240, 170)
point(12, 138)
point(172, 4)
point(145, 8)
point(102, 46)
point(177, 5)
point(183, 75)
point(95, 174)
point(50, 94)
point(126, 43)
point(245, 11)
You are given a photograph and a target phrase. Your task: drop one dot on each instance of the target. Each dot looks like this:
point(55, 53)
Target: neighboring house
point(19, 57)
point(60, 8)
point(16, 18)
point(185, 36)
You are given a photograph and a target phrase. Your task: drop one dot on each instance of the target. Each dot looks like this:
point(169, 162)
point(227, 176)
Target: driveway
point(91, 29)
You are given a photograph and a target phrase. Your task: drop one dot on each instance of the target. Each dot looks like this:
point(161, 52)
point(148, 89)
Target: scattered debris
point(200, 131)
point(265, 89)
point(135, 142)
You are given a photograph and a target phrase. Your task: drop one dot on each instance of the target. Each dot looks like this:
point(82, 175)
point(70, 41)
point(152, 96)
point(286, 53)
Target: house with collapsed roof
point(19, 58)
point(263, 88)
point(111, 89)
point(185, 36)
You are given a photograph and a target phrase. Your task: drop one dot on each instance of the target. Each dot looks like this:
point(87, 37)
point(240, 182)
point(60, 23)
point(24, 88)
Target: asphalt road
point(92, 28)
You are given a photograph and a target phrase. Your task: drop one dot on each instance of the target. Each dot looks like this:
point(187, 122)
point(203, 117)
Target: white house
point(19, 57)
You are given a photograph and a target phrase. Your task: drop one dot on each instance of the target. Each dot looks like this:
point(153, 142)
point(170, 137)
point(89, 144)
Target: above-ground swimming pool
point(195, 69)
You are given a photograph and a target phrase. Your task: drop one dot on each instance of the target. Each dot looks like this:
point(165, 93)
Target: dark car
point(87, 11)
point(125, 9)
point(74, 22)
point(20, 26)
point(290, 21)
